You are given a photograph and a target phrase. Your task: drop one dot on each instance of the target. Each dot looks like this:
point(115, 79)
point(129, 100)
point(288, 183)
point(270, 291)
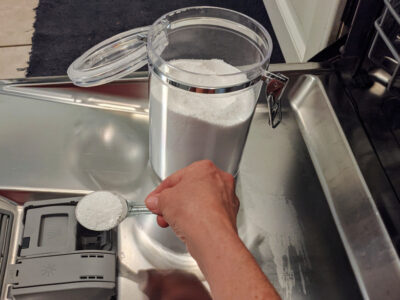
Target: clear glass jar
point(205, 67)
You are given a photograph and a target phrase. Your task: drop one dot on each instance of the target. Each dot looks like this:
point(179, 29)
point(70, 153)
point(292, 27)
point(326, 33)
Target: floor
point(16, 29)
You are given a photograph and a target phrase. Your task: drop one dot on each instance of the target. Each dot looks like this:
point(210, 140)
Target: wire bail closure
point(275, 86)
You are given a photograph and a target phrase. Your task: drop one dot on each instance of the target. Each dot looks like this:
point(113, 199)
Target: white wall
point(304, 10)
point(304, 27)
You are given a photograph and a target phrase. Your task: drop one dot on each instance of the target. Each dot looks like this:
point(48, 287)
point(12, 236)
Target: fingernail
point(152, 202)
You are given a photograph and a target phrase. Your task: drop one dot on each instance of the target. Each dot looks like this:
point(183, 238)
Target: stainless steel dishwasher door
point(98, 139)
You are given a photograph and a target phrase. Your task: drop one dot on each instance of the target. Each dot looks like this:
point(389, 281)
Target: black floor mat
point(64, 29)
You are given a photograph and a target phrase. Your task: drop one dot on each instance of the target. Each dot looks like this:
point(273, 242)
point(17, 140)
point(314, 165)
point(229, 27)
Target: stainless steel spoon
point(104, 210)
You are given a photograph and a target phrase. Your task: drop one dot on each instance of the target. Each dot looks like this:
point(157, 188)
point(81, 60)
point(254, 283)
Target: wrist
point(211, 242)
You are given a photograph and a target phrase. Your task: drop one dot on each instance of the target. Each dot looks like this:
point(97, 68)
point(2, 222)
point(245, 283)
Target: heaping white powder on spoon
point(186, 126)
point(101, 210)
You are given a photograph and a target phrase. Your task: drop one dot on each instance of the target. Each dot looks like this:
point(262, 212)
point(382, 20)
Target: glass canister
point(207, 66)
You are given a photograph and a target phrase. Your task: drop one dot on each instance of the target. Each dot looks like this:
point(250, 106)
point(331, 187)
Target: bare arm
point(200, 204)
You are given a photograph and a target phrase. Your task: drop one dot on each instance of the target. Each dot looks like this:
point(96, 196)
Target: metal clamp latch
point(276, 84)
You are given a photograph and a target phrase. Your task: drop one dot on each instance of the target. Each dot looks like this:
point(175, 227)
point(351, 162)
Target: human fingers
point(228, 179)
point(161, 222)
point(152, 203)
point(168, 182)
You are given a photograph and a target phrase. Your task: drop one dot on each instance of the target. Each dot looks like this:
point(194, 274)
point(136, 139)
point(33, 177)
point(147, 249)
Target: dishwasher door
point(57, 138)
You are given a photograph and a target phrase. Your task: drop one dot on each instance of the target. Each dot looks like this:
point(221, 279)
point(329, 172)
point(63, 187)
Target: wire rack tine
point(389, 11)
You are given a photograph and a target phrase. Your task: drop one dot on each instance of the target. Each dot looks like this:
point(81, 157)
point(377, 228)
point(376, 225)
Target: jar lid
point(111, 59)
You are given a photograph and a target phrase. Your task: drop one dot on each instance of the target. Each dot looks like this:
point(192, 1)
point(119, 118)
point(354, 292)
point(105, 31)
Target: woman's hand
point(200, 204)
point(196, 201)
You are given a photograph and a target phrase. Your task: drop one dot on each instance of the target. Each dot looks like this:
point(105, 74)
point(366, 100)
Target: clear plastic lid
point(111, 59)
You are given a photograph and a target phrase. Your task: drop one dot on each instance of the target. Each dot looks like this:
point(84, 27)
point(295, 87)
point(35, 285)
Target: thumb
point(152, 203)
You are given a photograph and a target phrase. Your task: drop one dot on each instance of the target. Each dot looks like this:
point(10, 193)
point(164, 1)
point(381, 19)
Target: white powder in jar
point(101, 210)
point(186, 126)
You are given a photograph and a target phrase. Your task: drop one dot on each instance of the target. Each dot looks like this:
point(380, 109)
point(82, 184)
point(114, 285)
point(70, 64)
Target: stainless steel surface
point(286, 68)
point(284, 218)
point(290, 69)
point(368, 245)
point(379, 115)
point(79, 149)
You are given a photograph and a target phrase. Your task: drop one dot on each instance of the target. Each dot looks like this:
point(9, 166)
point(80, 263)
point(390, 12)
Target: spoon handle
point(138, 209)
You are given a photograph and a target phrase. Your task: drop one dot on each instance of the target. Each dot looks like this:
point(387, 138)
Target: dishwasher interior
point(60, 142)
point(319, 194)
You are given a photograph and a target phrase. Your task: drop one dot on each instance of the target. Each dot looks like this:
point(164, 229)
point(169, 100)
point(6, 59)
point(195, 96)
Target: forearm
point(207, 224)
point(230, 269)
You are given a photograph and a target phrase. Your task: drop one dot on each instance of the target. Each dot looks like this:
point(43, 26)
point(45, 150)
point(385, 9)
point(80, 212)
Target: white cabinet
point(304, 27)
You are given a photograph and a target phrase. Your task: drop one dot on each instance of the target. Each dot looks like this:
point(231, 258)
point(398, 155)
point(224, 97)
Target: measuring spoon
point(104, 210)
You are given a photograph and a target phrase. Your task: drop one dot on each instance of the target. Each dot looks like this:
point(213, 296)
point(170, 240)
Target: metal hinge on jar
point(275, 86)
